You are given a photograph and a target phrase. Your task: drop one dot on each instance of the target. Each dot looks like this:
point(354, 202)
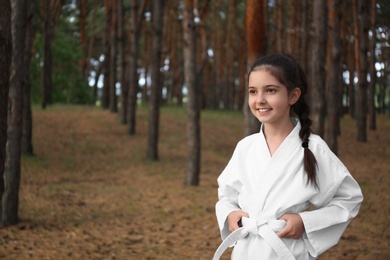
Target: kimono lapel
point(275, 169)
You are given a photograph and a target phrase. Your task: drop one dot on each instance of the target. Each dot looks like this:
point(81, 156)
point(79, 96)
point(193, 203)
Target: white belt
point(264, 228)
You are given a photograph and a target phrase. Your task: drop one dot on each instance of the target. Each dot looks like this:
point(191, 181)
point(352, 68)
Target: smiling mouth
point(262, 110)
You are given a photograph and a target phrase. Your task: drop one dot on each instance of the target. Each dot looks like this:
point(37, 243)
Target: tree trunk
point(361, 48)
point(176, 59)
point(193, 108)
point(201, 49)
point(5, 64)
point(27, 146)
point(155, 95)
point(91, 40)
point(121, 43)
point(228, 77)
point(105, 98)
point(136, 15)
point(242, 70)
point(351, 85)
point(113, 58)
point(83, 36)
point(10, 199)
point(317, 70)
point(333, 74)
point(48, 34)
point(280, 32)
point(218, 31)
point(372, 71)
point(256, 40)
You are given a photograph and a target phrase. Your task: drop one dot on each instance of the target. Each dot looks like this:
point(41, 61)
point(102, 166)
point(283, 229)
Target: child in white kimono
point(274, 176)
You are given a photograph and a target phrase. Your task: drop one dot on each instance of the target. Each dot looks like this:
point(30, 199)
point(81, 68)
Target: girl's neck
point(276, 134)
point(278, 130)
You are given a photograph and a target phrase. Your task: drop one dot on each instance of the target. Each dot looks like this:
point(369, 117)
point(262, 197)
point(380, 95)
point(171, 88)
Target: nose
point(260, 99)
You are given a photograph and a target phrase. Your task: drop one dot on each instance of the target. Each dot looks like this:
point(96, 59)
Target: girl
point(275, 175)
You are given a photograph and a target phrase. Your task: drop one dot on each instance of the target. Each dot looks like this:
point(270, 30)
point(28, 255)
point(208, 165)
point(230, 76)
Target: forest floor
point(90, 193)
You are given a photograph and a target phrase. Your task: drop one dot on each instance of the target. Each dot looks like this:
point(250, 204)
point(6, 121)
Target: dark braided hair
point(287, 70)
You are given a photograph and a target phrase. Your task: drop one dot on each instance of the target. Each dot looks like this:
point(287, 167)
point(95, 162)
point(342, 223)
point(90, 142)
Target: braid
point(302, 110)
point(309, 160)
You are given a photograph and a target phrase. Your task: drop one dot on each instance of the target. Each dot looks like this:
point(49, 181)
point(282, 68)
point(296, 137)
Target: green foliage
point(68, 83)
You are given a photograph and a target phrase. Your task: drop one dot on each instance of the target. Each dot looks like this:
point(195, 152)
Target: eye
point(271, 90)
point(252, 91)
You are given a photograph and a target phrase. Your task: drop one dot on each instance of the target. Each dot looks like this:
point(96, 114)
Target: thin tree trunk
point(91, 40)
point(27, 146)
point(47, 63)
point(280, 39)
point(193, 108)
point(228, 77)
point(176, 59)
point(155, 95)
point(83, 36)
point(202, 45)
point(217, 42)
point(121, 46)
point(242, 69)
point(317, 70)
point(351, 85)
point(372, 71)
point(333, 74)
point(105, 98)
point(361, 48)
point(113, 58)
point(10, 199)
point(136, 15)
point(5, 65)
point(256, 42)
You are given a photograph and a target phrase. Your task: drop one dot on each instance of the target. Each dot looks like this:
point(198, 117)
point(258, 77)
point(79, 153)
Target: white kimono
point(267, 187)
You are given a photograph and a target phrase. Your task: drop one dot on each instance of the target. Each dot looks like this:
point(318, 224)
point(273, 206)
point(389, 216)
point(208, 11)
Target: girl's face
point(269, 99)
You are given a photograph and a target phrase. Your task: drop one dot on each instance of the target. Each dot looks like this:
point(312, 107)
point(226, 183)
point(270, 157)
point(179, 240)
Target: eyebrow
point(266, 86)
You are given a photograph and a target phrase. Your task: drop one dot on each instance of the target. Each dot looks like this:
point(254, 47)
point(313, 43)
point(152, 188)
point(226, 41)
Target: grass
point(90, 193)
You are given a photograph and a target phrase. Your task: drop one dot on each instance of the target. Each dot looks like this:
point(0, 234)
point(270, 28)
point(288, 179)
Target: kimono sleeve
point(229, 187)
point(338, 202)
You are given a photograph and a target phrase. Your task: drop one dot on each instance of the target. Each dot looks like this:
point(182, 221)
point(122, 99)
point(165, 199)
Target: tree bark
point(48, 35)
point(10, 199)
point(5, 65)
point(112, 59)
point(372, 71)
point(228, 77)
point(136, 15)
point(122, 61)
point(361, 48)
point(155, 95)
point(333, 74)
point(193, 108)
point(256, 41)
point(105, 98)
point(83, 36)
point(317, 70)
point(27, 134)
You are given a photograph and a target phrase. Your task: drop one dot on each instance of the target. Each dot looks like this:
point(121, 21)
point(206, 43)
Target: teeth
point(264, 109)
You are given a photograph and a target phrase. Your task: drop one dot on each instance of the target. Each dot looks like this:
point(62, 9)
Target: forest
point(139, 64)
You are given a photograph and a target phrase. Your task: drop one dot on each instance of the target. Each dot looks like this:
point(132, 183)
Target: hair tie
point(305, 144)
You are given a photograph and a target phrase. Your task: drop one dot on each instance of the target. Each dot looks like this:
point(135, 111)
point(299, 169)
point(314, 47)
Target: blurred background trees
point(97, 51)
point(122, 54)
point(100, 52)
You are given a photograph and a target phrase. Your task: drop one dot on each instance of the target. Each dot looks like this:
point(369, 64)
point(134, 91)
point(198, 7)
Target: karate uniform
point(267, 187)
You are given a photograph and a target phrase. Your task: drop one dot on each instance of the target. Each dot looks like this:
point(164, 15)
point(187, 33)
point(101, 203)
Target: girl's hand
point(234, 217)
point(294, 227)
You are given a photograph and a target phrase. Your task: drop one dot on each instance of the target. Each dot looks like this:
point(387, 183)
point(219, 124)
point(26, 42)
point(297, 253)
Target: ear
point(294, 95)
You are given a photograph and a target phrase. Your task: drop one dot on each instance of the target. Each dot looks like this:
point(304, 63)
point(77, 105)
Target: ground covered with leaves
point(90, 193)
